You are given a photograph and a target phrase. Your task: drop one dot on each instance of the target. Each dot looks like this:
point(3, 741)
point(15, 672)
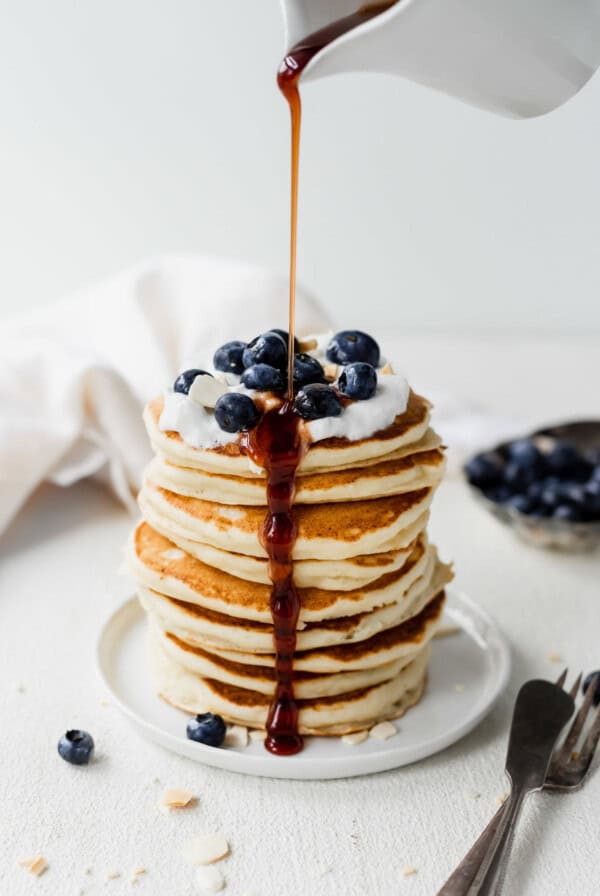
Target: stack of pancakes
point(370, 584)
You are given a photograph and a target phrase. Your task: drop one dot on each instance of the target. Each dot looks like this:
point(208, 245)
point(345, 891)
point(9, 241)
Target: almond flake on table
point(554, 657)
point(383, 731)
point(205, 849)
point(113, 875)
point(236, 736)
point(409, 871)
point(356, 737)
point(35, 866)
point(177, 798)
point(209, 879)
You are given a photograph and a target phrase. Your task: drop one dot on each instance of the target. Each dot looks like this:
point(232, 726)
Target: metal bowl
point(547, 532)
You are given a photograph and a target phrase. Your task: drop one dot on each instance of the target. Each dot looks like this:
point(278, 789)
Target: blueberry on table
point(348, 346)
point(358, 381)
point(207, 729)
point(184, 381)
point(484, 470)
point(263, 378)
point(286, 338)
point(76, 747)
point(235, 412)
point(587, 683)
point(268, 348)
point(228, 358)
point(307, 370)
point(316, 401)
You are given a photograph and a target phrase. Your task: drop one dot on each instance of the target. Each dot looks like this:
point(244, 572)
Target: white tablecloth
point(59, 581)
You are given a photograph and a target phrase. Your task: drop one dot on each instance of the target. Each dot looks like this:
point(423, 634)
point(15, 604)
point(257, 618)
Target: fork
point(567, 772)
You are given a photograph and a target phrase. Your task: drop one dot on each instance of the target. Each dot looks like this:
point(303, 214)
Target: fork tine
point(591, 742)
point(561, 678)
point(575, 730)
point(575, 689)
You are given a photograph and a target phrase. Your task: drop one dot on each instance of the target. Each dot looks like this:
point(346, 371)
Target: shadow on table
point(51, 511)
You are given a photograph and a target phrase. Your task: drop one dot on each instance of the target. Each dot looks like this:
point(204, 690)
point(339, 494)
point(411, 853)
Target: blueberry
point(235, 412)
point(573, 493)
point(228, 358)
point(484, 470)
point(518, 477)
point(563, 459)
point(286, 338)
point(595, 477)
point(316, 401)
point(264, 378)
point(534, 491)
point(591, 499)
point(307, 370)
point(76, 747)
point(567, 512)
point(521, 503)
point(525, 453)
point(206, 728)
point(499, 494)
point(551, 495)
point(587, 681)
point(353, 345)
point(268, 348)
point(358, 381)
point(184, 381)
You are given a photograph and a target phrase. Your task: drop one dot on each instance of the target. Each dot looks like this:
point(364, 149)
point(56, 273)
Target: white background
point(131, 128)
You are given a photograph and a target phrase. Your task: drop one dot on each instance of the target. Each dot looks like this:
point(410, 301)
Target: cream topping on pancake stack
point(370, 584)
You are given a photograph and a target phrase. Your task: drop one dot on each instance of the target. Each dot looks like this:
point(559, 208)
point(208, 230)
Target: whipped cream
point(361, 419)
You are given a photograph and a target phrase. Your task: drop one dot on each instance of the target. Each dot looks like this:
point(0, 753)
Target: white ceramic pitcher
point(519, 58)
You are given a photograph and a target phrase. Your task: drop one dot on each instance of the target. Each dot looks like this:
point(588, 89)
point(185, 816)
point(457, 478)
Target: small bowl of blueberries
point(546, 486)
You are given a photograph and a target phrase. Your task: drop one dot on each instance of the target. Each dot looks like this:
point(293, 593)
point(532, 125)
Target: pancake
point(410, 472)
point(327, 454)
point(185, 578)
point(335, 715)
point(217, 631)
point(344, 529)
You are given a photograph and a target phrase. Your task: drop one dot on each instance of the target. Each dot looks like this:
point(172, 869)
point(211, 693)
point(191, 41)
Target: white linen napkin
point(74, 376)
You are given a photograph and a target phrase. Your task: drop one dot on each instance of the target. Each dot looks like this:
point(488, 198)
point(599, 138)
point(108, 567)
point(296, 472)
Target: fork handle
point(490, 877)
point(462, 877)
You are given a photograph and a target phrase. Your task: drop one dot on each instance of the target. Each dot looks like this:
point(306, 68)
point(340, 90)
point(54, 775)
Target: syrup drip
point(277, 443)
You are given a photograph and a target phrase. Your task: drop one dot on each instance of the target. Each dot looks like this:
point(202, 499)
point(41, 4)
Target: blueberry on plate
point(358, 381)
point(484, 470)
point(286, 338)
point(591, 499)
point(235, 412)
point(307, 370)
point(184, 381)
point(207, 728)
point(228, 358)
point(263, 378)
point(76, 747)
point(268, 348)
point(552, 494)
point(563, 459)
point(353, 345)
point(587, 682)
point(316, 401)
point(595, 475)
point(499, 494)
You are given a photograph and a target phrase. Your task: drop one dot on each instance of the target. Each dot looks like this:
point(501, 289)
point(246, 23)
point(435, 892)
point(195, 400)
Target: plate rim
point(306, 767)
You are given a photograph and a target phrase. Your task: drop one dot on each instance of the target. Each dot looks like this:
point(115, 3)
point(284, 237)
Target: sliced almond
point(177, 798)
point(387, 368)
point(357, 737)
point(331, 371)
point(383, 731)
point(35, 866)
point(308, 345)
point(236, 736)
point(113, 874)
point(554, 657)
point(206, 390)
point(446, 631)
point(205, 849)
point(209, 880)
point(408, 871)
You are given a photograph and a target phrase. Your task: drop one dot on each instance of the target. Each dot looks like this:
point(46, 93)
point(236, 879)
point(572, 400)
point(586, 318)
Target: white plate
point(467, 673)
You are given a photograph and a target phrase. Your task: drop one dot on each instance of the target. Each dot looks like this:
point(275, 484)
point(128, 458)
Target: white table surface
point(59, 581)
